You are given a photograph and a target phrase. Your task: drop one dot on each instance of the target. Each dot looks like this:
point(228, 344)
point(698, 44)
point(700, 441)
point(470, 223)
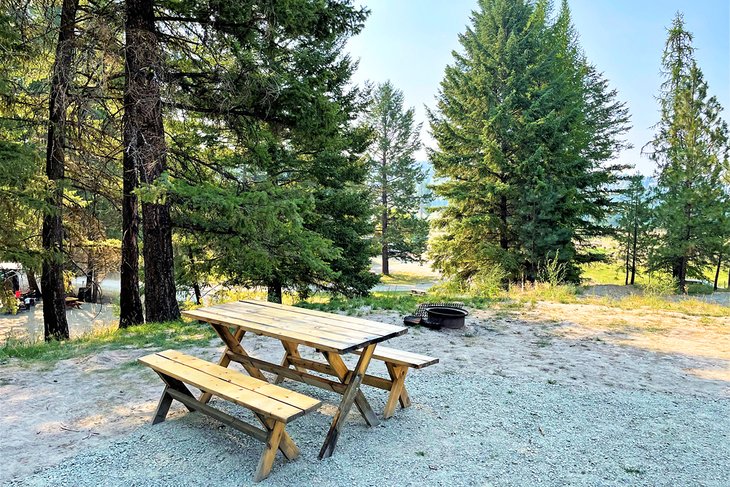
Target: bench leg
point(353, 387)
point(286, 445)
point(272, 445)
point(224, 361)
point(404, 398)
point(397, 388)
point(163, 407)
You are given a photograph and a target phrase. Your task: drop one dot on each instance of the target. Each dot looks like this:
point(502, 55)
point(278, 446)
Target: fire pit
point(438, 315)
point(447, 317)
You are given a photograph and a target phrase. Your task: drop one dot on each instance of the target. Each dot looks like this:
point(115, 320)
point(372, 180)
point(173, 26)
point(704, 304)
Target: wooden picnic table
point(330, 334)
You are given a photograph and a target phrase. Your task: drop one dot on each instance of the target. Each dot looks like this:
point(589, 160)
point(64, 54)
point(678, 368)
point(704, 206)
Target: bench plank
point(401, 357)
point(250, 399)
point(293, 398)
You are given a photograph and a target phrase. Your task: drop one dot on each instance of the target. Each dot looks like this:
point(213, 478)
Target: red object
point(17, 294)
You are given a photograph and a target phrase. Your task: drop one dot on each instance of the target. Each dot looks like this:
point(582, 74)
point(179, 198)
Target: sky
point(410, 42)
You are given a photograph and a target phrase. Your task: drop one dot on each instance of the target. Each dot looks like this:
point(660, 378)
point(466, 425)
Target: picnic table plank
point(348, 321)
point(297, 323)
point(271, 330)
point(303, 321)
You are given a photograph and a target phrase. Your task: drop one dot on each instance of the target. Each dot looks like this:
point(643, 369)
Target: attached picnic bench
point(274, 406)
point(397, 362)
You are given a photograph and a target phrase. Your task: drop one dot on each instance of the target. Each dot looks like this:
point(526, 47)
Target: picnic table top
point(324, 331)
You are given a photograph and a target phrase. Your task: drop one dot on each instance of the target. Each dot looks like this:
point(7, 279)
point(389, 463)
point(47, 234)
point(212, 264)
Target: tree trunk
point(384, 226)
point(52, 286)
point(146, 145)
point(503, 240)
point(274, 292)
point(633, 254)
point(717, 271)
point(626, 266)
point(33, 283)
point(683, 275)
point(130, 303)
point(196, 286)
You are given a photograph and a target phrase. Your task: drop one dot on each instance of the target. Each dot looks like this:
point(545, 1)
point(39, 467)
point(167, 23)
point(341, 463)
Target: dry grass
point(704, 334)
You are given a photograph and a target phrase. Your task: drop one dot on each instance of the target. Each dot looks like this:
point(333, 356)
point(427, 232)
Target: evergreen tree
point(691, 150)
point(52, 280)
point(145, 145)
point(266, 165)
point(634, 226)
point(526, 130)
point(395, 176)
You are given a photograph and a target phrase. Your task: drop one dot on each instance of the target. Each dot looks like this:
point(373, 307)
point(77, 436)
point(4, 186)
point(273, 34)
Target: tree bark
point(130, 303)
point(683, 275)
point(626, 265)
point(384, 227)
point(55, 326)
point(196, 286)
point(503, 240)
point(274, 294)
point(717, 271)
point(33, 283)
point(146, 145)
point(633, 253)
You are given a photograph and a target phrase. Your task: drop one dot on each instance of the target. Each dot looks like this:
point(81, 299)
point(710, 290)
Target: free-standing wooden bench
point(273, 405)
point(398, 362)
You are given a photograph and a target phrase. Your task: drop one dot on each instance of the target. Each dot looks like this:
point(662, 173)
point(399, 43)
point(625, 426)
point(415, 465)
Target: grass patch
point(401, 301)
point(175, 334)
point(562, 293)
point(407, 279)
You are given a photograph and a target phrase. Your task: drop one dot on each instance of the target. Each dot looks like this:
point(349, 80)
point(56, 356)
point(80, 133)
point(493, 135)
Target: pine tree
point(265, 157)
point(691, 151)
point(395, 176)
point(52, 281)
point(526, 130)
point(145, 144)
point(634, 226)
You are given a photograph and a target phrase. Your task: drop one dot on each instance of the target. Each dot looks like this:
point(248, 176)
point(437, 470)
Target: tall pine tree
point(691, 151)
point(526, 130)
point(634, 226)
point(395, 176)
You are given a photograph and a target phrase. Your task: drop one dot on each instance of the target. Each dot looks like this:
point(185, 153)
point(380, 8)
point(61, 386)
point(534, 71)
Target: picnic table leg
point(290, 350)
point(224, 361)
point(353, 387)
point(343, 372)
point(397, 389)
point(286, 445)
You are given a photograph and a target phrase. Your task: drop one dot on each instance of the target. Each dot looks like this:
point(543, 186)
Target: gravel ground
point(463, 429)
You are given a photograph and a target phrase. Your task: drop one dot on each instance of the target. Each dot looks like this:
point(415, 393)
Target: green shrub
point(659, 285)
